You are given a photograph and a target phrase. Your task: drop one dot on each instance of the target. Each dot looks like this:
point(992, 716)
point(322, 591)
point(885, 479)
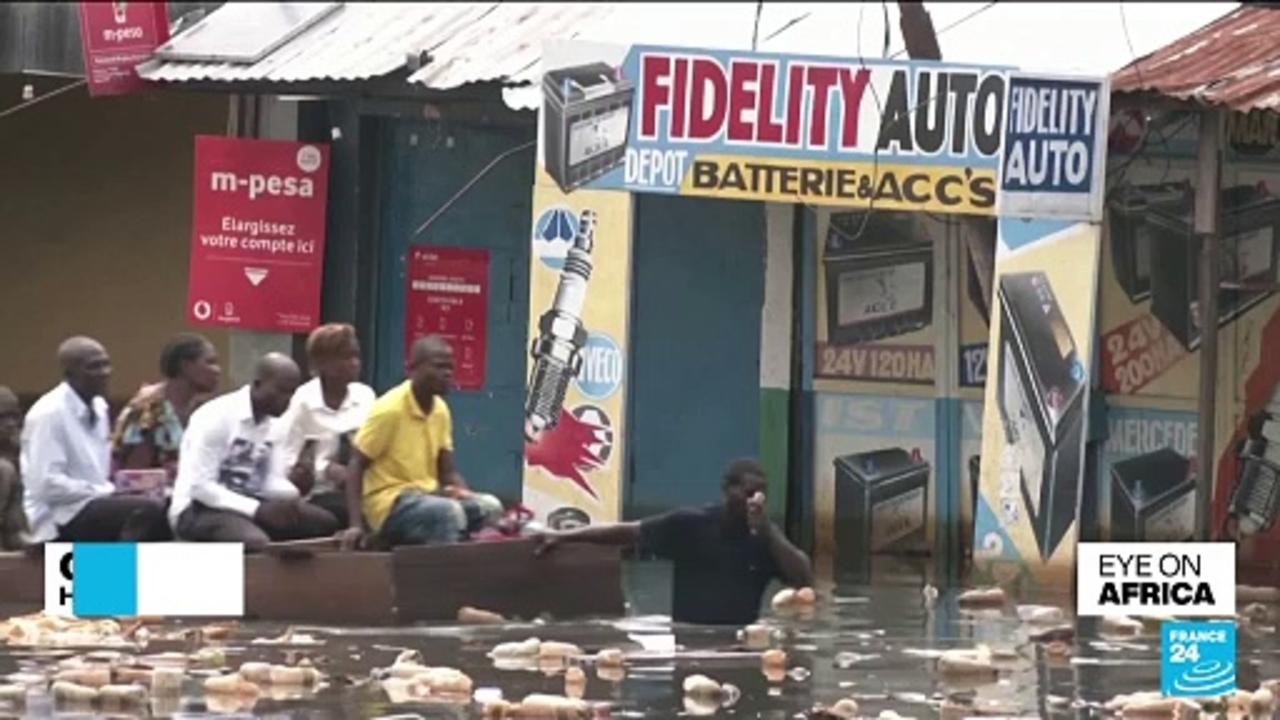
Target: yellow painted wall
point(95, 213)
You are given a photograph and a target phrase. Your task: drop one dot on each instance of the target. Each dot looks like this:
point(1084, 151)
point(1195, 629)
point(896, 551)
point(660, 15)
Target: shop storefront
point(1195, 167)
point(889, 226)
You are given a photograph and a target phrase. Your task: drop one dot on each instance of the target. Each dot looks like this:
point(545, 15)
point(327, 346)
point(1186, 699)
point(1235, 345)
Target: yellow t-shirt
point(403, 445)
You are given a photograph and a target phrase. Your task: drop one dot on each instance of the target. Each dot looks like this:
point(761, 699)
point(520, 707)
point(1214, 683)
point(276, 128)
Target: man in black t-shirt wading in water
point(723, 555)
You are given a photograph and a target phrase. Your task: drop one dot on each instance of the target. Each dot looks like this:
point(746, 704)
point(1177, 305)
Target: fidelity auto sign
point(257, 241)
point(755, 126)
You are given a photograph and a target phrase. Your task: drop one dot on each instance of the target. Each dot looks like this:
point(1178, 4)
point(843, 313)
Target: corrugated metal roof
point(1233, 61)
point(466, 42)
point(507, 46)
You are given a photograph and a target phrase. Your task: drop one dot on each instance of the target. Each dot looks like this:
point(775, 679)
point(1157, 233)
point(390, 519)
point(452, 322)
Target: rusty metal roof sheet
point(1233, 61)
point(458, 42)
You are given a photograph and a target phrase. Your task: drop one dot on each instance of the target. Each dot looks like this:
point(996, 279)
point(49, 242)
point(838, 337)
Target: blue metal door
point(426, 163)
point(695, 348)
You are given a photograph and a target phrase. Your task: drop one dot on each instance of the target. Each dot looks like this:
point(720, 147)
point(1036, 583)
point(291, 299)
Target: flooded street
point(877, 644)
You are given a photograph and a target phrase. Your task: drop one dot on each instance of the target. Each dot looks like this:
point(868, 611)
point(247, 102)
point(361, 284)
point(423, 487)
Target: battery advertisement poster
point(850, 132)
point(1042, 317)
point(875, 281)
point(447, 294)
point(1150, 323)
point(1148, 475)
point(257, 239)
point(579, 291)
point(875, 465)
point(1036, 405)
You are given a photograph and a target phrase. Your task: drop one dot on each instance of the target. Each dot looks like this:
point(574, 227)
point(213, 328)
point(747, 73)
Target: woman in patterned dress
point(148, 432)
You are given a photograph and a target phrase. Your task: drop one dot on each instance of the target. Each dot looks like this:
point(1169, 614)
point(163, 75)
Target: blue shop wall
point(698, 279)
point(425, 163)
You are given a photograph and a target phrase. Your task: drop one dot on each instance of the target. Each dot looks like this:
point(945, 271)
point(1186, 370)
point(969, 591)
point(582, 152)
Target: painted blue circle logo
point(553, 235)
point(602, 367)
point(1077, 371)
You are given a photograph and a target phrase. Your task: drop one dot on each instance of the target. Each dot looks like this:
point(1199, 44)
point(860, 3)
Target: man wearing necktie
point(66, 460)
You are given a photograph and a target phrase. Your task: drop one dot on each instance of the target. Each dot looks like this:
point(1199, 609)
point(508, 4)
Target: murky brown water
point(875, 644)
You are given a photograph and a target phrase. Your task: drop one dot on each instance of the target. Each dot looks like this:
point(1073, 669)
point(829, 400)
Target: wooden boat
point(312, 582)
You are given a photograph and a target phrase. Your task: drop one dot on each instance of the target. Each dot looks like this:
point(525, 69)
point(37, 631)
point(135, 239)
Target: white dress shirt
point(227, 460)
point(310, 418)
point(66, 459)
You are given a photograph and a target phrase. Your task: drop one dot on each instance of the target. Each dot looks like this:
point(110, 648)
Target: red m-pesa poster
point(257, 240)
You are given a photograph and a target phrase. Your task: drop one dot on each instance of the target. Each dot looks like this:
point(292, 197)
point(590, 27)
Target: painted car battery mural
point(1040, 390)
point(586, 121)
point(1142, 218)
point(1153, 498)
point(879, 277)
point(1250, 221)
point(881, 502)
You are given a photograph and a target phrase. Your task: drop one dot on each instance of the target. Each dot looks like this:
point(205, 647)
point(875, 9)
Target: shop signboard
point(1054, 155)
point(258, 229)
point(115, 37)
point(851, 132)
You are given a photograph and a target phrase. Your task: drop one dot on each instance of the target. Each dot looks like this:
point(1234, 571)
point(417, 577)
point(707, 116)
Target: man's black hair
point(739, 469)
point(186, 347)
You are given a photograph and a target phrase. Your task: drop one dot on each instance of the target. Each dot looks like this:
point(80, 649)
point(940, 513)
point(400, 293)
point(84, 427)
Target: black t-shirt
point(721, 569)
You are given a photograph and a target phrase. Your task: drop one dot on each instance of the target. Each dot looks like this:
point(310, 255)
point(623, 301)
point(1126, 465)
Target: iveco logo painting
point(602, 367)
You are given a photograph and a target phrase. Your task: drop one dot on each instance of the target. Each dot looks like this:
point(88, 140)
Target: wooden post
point(917, 31)
point(1208, 170)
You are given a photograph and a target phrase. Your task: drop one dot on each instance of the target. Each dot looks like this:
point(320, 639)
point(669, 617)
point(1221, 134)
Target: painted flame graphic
point(565, 451)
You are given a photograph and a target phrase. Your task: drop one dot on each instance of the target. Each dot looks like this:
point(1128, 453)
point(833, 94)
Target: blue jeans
point(418, 518)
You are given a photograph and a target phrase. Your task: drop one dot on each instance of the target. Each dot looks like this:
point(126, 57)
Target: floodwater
point(874, 643)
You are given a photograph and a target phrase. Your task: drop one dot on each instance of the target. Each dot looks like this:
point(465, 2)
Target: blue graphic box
point(1197, 659)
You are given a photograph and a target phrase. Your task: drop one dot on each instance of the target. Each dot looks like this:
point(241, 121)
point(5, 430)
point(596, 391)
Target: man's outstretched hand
point(545, 542)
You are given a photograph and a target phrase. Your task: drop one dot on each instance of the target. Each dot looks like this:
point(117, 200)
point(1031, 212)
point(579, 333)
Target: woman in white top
point(324, 414)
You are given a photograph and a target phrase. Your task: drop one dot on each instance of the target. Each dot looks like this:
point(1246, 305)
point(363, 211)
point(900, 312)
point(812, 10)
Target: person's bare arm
point(354, 487)
point(451, 481)
point(793, 565)
point(618, 534)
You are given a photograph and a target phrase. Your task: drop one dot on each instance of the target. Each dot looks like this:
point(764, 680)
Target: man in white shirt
point(66, 460)
point(324, 415)
point(229, 488)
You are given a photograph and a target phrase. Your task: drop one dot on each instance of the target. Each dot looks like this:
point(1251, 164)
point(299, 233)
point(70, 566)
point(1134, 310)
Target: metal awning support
point(1208, 169)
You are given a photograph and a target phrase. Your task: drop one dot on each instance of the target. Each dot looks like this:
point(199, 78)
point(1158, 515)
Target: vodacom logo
point(202, 310)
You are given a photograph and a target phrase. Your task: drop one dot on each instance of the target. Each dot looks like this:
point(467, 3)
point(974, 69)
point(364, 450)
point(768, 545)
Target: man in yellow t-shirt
point(405, 487)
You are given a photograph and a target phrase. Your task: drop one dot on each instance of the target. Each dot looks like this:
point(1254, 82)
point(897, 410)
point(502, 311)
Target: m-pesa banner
point(115, 37)
point(257, 240)
point(755, 126)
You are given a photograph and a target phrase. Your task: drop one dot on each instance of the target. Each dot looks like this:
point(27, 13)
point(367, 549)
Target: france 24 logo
point(1198, 659)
